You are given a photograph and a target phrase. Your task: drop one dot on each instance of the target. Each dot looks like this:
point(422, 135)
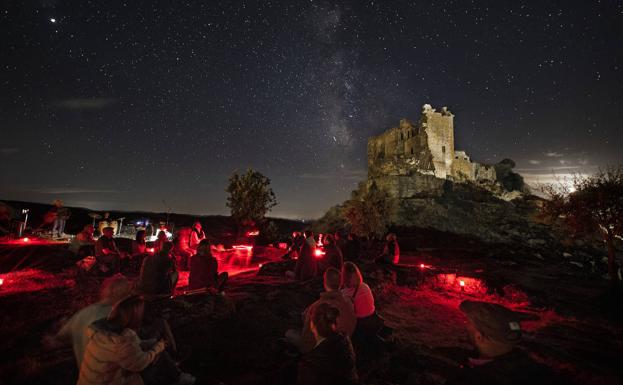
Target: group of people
point(113, 343)
point(344, 314)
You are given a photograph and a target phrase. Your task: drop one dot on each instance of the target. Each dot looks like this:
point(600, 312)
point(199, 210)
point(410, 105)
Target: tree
point(591, 204)
point(368, 211)
point(250, 197)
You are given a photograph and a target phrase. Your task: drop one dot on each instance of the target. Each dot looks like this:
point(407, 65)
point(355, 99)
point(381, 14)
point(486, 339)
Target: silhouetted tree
point(250, 197)
point(368, 211)
point(510, 180)
point(591, 204)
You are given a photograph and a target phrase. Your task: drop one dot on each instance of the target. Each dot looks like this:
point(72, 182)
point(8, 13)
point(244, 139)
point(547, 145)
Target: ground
point(234, 338)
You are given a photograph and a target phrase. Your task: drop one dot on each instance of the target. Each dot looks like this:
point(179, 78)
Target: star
point(52, 20)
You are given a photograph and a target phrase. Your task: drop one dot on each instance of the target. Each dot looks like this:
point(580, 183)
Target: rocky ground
point(234, 339)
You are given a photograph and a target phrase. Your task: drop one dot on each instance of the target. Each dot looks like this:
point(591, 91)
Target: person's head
point(328, 239)
point(127, 313)
point(351, 275)
point(89, 229)
point(204, 247)
point(324, 320)
point(295, 234)
point(140, 236)
point(114, 289)
point(337, 236)
point(166, 248)
point(106, 215)
point(162, 235)
point(58, 203)
point(108, 231)
point(391, 237)
point(332, 279)
point(493, 329)
point(197, 226)
point(309, 234)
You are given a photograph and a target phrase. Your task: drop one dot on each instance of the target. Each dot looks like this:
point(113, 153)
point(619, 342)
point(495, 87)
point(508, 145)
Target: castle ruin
point(426, 147)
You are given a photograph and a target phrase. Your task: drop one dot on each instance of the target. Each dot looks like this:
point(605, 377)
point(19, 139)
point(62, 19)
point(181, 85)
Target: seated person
point(359, 293)
point(391, 251)
point(158, 274)
point(495, 331)
point(346, 321)
point(115, 355)
point(204, 269)
point(333, 255)
point(106, 252)
point(83, 243)
point(332, 360)
point(74, 330)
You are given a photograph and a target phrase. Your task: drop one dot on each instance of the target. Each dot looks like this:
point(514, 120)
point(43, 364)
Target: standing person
point(204, 269)
point(114, 354)
point(306, 265)
point(353, 248)
point(196, 236)
point(495, 331)
point(83, 243)
point(61, 215)
point(332, 360)
point(158, 273)
point(333, 256)
point(161, 239)
point(139, 245)
point(73, 331)
point(391, 251)
point(332, 295)
point(106, 252)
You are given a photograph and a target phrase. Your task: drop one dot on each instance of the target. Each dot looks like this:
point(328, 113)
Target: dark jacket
point(306, 266)
point(513, 368)
point(203, 271)
point(332, 258)
point(156, 274)
point(332, 362)
point(352, 249)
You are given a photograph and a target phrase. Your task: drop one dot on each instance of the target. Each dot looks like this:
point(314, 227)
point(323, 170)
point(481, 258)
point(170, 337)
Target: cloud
point(533, 161)
point(85, 103)
point(553, 154)
point(69, 190)
point(9, 150)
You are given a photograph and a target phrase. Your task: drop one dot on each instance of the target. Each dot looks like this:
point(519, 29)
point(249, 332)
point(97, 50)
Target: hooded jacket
point(113, 358)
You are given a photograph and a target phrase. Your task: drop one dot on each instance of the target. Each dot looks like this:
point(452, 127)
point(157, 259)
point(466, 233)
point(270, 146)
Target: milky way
point(125, 104)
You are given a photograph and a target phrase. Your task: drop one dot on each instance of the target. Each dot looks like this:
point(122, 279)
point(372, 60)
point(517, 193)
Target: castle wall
point(440, 135)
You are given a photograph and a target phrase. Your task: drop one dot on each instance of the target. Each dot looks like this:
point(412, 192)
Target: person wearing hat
point(495, 332)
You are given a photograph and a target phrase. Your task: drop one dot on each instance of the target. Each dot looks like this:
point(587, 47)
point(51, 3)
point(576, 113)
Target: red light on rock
point(462, 283)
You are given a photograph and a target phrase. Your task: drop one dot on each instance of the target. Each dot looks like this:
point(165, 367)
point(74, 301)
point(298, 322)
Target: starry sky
point(152, 104)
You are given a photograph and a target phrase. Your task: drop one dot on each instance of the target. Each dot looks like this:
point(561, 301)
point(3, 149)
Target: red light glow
point(1, 281)
point(462, 283)
point(283, 245)
point(319, 253)
point(26, 240)
point(422, 266)
point(151, 250)
point(253, 233)
point(243, 247)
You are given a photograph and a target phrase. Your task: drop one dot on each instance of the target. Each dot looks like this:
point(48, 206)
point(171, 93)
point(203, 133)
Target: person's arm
point(133, 358)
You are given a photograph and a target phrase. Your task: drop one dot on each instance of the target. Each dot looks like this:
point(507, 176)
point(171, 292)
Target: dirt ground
point(575, 329)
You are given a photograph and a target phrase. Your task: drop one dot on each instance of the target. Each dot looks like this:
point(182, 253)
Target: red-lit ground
point(233, 338)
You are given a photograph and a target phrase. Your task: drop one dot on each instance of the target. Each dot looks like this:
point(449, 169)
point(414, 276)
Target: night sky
point(121, 105)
